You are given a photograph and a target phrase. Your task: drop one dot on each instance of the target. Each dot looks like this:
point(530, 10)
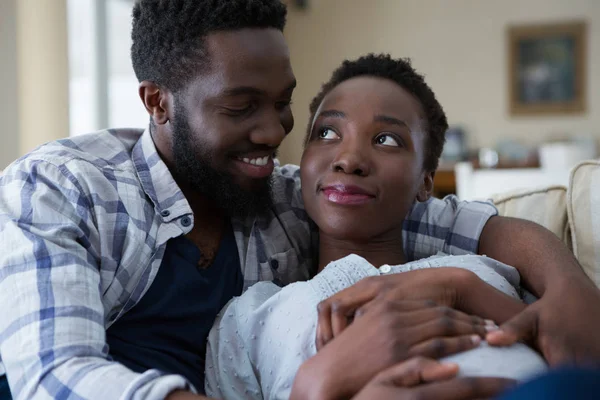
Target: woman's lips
point(347, 195)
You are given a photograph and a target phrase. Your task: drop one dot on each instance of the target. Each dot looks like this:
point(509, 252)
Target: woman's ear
point(426, 189)
point(157, 101)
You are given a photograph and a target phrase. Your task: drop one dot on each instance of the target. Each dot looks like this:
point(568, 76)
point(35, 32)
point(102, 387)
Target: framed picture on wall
point(547, 68)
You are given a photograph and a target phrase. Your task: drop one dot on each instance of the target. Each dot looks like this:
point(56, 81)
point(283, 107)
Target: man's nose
point(271, 133)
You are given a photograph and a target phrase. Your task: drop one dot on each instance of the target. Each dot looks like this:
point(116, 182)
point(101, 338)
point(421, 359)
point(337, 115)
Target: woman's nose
point(351, 159)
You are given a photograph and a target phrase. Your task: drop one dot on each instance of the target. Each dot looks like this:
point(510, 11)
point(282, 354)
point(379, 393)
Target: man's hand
point(422, 378)
point(563, 325)
point(387, 333)
point(437, 285)
point(565, 322)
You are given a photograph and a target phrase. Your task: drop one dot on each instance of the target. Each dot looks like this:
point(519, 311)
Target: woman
point(371, 152)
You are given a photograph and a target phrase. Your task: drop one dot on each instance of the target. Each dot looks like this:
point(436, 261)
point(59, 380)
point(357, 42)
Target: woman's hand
point(440, 286)
point(450, 287)
point(423, 378)
point(388, 332)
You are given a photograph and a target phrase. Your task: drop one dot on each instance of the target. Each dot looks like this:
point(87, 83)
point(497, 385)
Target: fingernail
point(490, 328)
point(490, 322)
point(475, 339)
point(493, 335)
point(447, 367)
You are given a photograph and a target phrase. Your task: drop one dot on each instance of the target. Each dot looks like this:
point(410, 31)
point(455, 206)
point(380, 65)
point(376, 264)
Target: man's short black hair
point(401, 72)
point(168, 47)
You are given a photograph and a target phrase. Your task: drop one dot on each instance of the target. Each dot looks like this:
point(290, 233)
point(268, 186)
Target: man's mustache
point(253, 149)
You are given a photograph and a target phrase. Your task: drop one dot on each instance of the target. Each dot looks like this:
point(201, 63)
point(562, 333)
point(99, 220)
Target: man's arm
point(476, 297)
point(563, 324)
point(540, 257)
point(52, 333)
point(565, 321)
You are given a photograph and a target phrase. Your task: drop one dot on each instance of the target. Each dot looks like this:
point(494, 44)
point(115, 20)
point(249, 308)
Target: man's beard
point(193, 166)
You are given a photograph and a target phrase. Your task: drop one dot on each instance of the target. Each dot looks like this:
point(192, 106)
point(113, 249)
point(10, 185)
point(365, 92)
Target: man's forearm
point(476, 297)
point(539, 256)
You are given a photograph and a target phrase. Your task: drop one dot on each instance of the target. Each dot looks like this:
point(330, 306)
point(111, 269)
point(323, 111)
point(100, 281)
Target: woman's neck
point(376, 251)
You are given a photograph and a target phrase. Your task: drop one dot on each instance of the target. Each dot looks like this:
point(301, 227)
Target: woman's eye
point(328, 134)
point(387, 140)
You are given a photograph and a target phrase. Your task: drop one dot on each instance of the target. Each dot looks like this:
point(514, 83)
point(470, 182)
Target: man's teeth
point(261, 161)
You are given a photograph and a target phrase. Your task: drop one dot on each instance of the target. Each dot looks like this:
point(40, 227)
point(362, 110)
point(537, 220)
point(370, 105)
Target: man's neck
point(376, 251)
point(204, 209)
point(209, 226)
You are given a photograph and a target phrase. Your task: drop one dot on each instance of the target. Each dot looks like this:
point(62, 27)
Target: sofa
point(572, 213)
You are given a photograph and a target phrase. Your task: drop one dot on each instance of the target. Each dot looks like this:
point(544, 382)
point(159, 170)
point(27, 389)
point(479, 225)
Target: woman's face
point(362, 167)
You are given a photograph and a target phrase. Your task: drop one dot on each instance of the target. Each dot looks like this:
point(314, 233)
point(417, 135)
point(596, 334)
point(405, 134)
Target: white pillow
point(583, 208)
point(545, 206)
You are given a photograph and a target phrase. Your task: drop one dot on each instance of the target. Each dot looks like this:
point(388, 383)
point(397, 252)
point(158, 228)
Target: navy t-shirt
point(167, 329)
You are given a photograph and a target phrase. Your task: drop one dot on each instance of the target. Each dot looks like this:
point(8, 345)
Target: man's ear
point(426, 189)
point(157, 101)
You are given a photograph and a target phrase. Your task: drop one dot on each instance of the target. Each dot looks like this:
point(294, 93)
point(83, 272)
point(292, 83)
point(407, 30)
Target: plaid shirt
point(84, 223)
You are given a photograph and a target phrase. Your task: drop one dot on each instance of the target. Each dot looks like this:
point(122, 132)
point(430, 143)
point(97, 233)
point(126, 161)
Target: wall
point(42, 44)
point(33, 75)
point(9, 135)
point(460, 46)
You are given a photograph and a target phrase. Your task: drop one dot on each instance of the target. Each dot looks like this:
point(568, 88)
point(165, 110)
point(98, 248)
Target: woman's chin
point(348, 231)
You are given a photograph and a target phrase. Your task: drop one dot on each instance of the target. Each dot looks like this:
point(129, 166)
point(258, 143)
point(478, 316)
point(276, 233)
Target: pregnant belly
point(518, 362)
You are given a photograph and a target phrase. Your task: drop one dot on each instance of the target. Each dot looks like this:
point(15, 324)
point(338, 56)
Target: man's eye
point(240, 110)
point(328, 134)
point(387, 140)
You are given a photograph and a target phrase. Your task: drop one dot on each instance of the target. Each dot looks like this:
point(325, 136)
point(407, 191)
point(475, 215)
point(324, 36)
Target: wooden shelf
point(444, 182)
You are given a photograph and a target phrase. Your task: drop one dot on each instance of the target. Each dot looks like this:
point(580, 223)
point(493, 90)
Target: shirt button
point(385, 268)
point(165, 213)
point(274, 264)
point(186, 221)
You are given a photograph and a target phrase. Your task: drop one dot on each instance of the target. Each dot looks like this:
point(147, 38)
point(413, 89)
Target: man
point(119, 247)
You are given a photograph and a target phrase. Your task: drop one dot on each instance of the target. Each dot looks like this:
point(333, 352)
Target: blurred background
point(519, 79)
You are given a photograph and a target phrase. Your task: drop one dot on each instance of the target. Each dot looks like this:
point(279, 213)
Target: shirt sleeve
point(301, 232)
point(52, 334)
point(449, 225)
point(290, 187)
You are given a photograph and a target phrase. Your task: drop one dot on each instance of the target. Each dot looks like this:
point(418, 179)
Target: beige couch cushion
point(583, 207)
point(545, 206)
